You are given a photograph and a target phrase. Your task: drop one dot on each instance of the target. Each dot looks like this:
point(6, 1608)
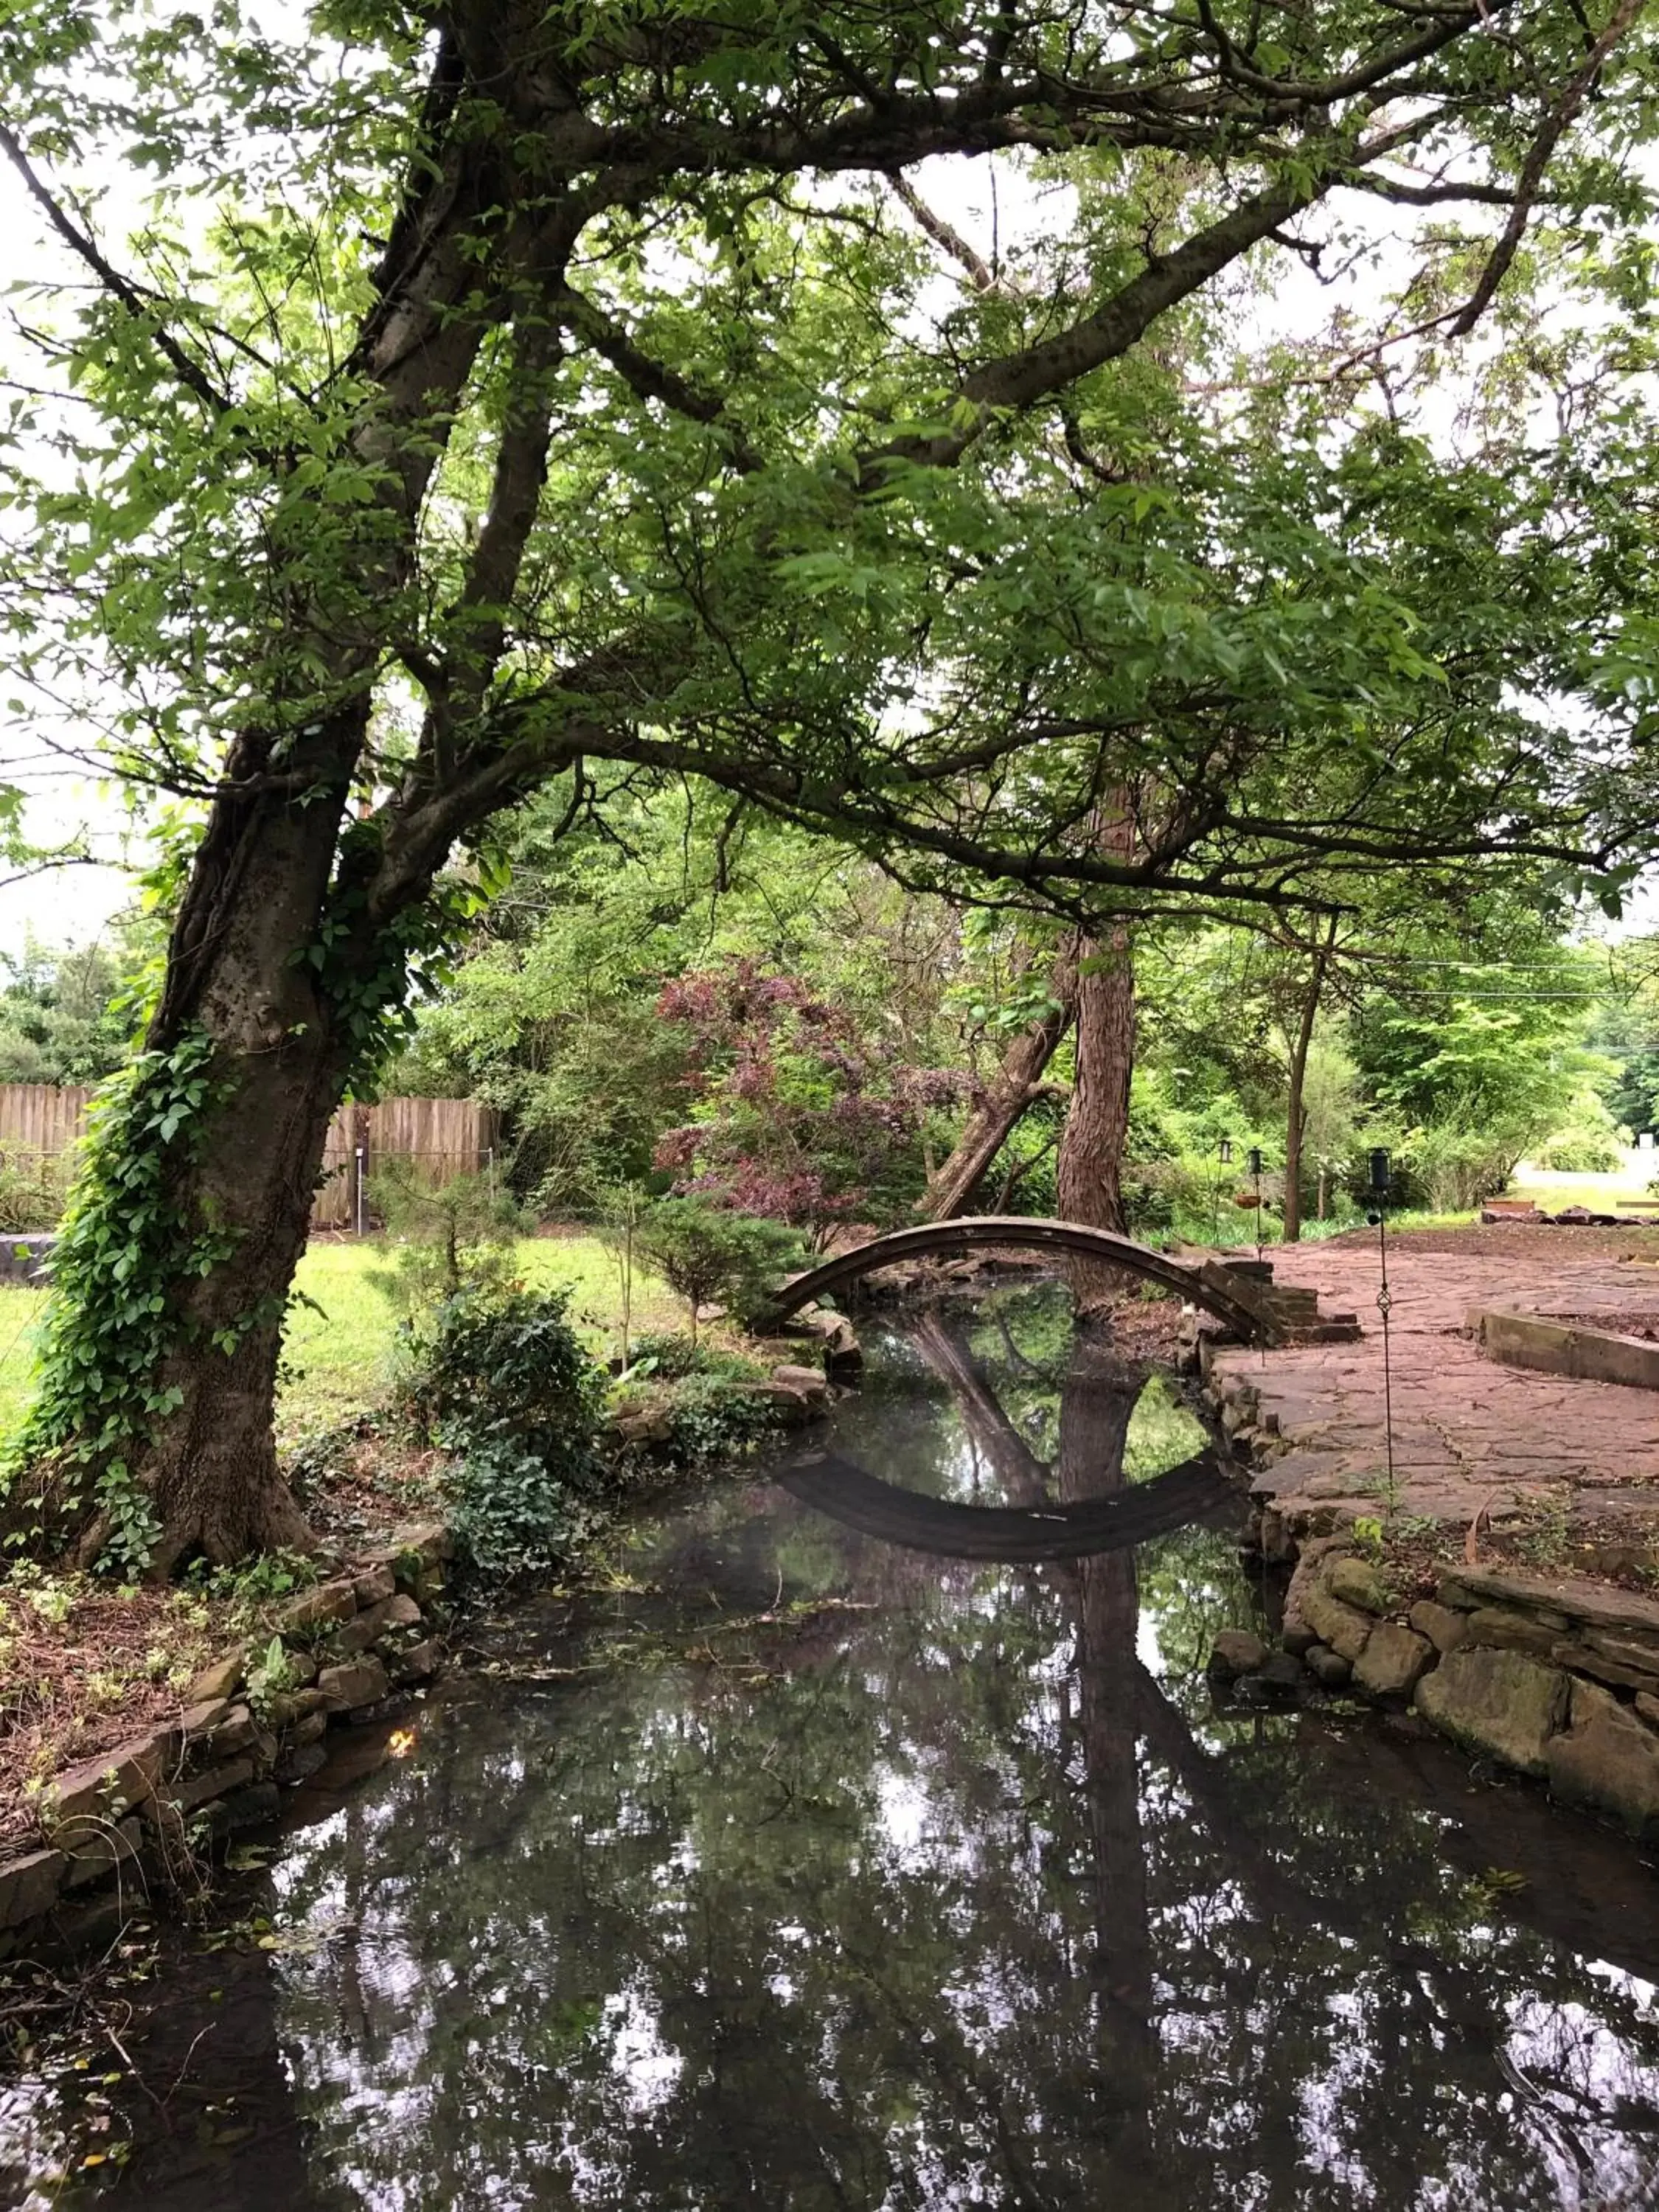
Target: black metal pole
point(1379, 1180)
point(1223, 1154)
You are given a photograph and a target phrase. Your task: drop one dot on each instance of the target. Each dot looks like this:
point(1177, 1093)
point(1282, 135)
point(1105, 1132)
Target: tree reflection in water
point(854, 1878)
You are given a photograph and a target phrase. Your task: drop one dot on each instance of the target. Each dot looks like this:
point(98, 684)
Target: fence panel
point(444, 1138)
point(40, 1119)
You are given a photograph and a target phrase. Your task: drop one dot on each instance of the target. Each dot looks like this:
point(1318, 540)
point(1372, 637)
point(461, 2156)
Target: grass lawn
point(1624, 1191)
point(341, 1359)
point(19, 1310)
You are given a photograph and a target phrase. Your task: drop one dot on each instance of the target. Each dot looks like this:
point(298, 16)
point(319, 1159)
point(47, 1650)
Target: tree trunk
point(1089, 1169)
point(1009, 1093)
point(240, 1171)
point(1296, 1118)
point(1090, 1179)
point(152, 1439)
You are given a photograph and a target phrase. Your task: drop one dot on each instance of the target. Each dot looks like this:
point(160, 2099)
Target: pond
point(811, 1868)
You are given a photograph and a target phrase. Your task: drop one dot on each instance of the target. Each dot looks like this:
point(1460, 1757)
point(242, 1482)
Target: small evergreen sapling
point(707, 1255)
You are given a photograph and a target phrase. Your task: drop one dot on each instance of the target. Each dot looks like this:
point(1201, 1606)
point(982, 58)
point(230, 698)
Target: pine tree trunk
point(1009, 1093)
point(1296, 1118)
point(1090, 1168)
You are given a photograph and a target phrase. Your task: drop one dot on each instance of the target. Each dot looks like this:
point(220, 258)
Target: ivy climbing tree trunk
point(152, 1439)
point(197, 1194)
point(250, 1169)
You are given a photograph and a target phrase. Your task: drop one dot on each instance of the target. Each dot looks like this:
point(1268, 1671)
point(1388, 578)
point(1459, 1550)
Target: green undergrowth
point(501, 1384)
point(1402, 1223)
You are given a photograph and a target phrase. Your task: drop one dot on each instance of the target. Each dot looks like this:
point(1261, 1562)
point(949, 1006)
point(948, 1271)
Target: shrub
point(1590, 1141)
point(446, 1237)
point(709, 1256)
point(711, 1422)
point(503, 1385)
point(671, 1356)
point(33, 1189)
point(1451, 1168)
point(1581, 1151)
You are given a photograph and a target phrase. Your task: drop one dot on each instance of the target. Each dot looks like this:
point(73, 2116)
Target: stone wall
point(143, 1815)
point(1552, 1676)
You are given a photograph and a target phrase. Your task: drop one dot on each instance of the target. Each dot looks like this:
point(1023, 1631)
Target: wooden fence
point(442, 1137)
point(38, 1121)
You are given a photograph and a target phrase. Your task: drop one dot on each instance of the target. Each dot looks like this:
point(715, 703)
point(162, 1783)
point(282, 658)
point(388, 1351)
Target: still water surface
point(808, 1869)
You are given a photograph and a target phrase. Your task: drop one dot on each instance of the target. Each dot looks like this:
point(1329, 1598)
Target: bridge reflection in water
point(1082, 1505)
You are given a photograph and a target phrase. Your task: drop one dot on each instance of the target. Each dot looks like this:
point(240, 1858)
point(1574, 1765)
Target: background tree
point(795, 1114)
point(61, 1017)
point(553, 1015)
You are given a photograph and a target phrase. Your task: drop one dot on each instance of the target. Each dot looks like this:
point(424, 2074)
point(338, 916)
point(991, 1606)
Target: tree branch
point(1017, 380)
point(1538, 157)
point(649, 378)
point(133, 297)
point(981, 274)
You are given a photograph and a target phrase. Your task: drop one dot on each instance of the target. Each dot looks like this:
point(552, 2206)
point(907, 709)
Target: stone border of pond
point(1555, 1677)
point(1506, 1529)
point(146, 1813)
point(1552, 1676)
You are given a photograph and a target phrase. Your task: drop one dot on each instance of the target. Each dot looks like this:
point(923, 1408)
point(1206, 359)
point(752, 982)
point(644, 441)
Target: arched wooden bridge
point(1205, 1286)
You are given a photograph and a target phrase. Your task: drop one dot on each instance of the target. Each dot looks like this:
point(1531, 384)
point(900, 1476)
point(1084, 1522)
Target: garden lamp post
point(1255, 1178)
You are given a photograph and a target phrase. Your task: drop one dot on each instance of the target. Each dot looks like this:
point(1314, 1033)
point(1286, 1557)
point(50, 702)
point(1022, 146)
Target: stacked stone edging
point(1552, 1676)
point(144, 1812)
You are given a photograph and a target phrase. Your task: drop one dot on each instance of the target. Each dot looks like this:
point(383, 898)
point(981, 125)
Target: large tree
point(493, 389)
